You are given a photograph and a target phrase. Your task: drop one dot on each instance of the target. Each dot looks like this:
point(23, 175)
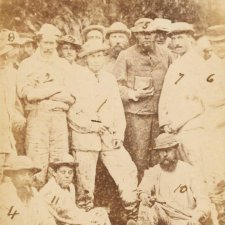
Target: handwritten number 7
point(181, 75)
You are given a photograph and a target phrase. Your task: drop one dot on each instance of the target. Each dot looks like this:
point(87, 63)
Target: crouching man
point(171, 192)
point(59, 193)
point(20, 202)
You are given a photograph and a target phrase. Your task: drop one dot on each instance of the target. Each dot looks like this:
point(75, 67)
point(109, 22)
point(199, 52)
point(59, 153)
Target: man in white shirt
point(98, 124)
point(59, 193)
point(172, 192)
point(43, 85)
point(20, 201)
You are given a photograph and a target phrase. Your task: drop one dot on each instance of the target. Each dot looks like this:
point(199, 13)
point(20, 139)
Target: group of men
point(152, 113)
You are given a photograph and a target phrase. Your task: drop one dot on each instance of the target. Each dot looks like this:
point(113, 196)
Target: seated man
point(171, 192)
point(20, 202)
point(59, 194)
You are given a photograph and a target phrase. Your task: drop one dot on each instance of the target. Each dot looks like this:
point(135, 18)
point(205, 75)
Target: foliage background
point(73, 15)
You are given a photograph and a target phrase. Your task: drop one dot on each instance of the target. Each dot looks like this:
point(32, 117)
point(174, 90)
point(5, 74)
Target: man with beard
point(59, 193)
point(20, 202)
point(118, 36)
point(171, 192)
point(140, 72)
point(43, 84)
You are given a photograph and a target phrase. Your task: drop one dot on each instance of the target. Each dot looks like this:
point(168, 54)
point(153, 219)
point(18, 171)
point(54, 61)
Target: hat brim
point(55, 165)
point(90, 52)
point(170, 33)
point(6, 49)
point(138, 30)
point(76, 45)
point(87, 29)
point(161, 147)
point(216, 38)
point(127, 32)
point(33, 169)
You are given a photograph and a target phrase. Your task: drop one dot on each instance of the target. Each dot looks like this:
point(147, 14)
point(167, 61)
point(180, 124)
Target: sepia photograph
point(112, 112)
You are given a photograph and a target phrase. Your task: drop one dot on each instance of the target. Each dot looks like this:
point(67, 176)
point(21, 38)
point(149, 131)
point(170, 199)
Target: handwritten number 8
point(11, 37)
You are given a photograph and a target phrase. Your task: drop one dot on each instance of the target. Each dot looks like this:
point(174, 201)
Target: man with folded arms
point(43, 84)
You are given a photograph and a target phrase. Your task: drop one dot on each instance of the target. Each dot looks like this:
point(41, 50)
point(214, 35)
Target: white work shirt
point(180, 100)
point(14, 212)
point(182, 189)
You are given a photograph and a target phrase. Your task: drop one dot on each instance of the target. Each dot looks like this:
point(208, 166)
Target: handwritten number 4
point(12, 213)
point(181, 75)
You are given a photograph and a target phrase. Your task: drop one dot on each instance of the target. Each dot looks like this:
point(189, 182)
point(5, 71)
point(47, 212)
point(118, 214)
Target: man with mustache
point(59, 193)
point(43, 84)
point(140, 72)
point(181, 35)
point(20, 202)
point(172, 193)
point(118, 36)
point(181, 104)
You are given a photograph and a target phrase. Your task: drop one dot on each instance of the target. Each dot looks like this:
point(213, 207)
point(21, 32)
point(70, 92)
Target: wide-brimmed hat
point(11, 37)
point(93, 27)
point(5, 49)
point(164, 141)
point(91, 47)
point(143, 25)
point(70, 39)
point(118, 27)
point(17, 163)
point(216, 33)
point(181, 27)
point(49, 30)
point(162, 24)
point(64, 160)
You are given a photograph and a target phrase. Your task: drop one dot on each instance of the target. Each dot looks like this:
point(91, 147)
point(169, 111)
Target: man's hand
point(169, 130)
point(147, 200)
point(135, 95)
point(193, 221)
point(19, 122)
point(116, 143)
point(98, 128)
point(63, 96)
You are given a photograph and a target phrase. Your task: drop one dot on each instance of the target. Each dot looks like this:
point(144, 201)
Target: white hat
point(64, 160)
point(18, 163)
point(216, 32)
point(91, 47)
point(11, 37)
point(118, 27)
point(181, 27)
point(143, 25)
point(162, 24)
point(49, 30)
point(93, 27)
